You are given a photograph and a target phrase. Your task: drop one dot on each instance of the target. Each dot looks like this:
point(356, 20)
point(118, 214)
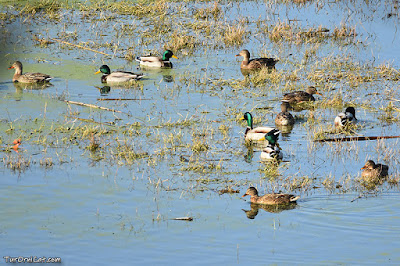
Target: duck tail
point(138, 59)
point(293, 199)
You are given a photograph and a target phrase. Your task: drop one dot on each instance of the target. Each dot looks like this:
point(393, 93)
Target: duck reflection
point(247, 72)
point(251, 214)
point(105, 90)
point(168, 78)
point(285, 130)
point(32, 86)
point(248, 157)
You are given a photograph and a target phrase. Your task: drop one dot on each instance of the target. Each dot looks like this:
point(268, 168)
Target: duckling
point(117, 76)
point(346, 117)
point(256, 63)
point(284, 118)
point(155, 61)
point(372, 170)
point(27, 77)
point(254, 134)
point(270, 199)
point(301, 96)
point(272, 151)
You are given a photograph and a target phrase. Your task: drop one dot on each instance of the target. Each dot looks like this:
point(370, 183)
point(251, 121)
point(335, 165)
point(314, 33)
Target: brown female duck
point(301, 96)
point(270, 199)
point(371, 170)
point(284, 118)
point(27, 77)
point(256, 63)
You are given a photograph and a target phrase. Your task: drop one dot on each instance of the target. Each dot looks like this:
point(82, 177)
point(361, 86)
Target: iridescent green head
point(272, 136)
point(167, 55)
point(104, 69)
point(249, 118)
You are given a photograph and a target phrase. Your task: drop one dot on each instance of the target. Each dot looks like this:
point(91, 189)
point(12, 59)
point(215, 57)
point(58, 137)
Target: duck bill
point(11, 67)
point(277, 145)
point(238, 55)
point(319, 93)
point(97, 72)
point(364, 167)
point(173, 56)
point(244, 195)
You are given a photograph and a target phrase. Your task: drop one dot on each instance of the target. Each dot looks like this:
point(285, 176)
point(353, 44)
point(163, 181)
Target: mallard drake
point(117, 76)
point(155, 61)
point(27, 77)
point(254, 134)
point(346, 117)
point(270, 199)
point(372, 170)
point(256, 63)
point(284, 118)
point(301, 96)
point(272, 151)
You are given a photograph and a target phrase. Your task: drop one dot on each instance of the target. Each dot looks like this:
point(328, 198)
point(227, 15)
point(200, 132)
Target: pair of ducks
point(269, 134)
point(108, 76)
point(370, 170)
point(144, 61)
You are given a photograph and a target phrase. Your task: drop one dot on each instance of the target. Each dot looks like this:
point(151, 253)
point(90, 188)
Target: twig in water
point(92, 106)
point(92, 121)
point(121, 99)
point(356, 138)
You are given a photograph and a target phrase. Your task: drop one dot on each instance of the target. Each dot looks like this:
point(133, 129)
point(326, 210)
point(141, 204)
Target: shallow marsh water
point(110, 206)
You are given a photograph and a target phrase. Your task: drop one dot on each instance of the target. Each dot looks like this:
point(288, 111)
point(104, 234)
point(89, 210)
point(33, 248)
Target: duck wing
point(34, 77)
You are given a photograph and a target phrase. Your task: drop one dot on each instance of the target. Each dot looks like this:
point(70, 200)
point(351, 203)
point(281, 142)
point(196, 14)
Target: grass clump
point(210, 12)
point(17, 163)
point(234, 35)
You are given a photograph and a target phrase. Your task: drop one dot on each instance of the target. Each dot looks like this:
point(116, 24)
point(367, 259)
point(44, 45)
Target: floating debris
point(183, 219)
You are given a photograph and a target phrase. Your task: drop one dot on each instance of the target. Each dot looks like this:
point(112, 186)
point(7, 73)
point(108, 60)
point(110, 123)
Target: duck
point(155, 61)
point(117, 76)
point(256, 63)
point(284, 118)
point(372, 170)
point(346, 117)
point(272, 151)
point(254, 134)
point(27, 77)
point(301, 96)
point(270, 199)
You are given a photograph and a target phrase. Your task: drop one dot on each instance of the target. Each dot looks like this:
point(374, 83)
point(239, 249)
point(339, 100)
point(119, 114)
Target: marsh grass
point(46, 162)
point(389, 114)
point(17, 163)
point(213, 11)
point(270, 169)
point(203, 28)
point(234, 35)
point(284, 31)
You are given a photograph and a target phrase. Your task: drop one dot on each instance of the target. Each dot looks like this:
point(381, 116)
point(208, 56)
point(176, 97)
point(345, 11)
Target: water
point(97, 208)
